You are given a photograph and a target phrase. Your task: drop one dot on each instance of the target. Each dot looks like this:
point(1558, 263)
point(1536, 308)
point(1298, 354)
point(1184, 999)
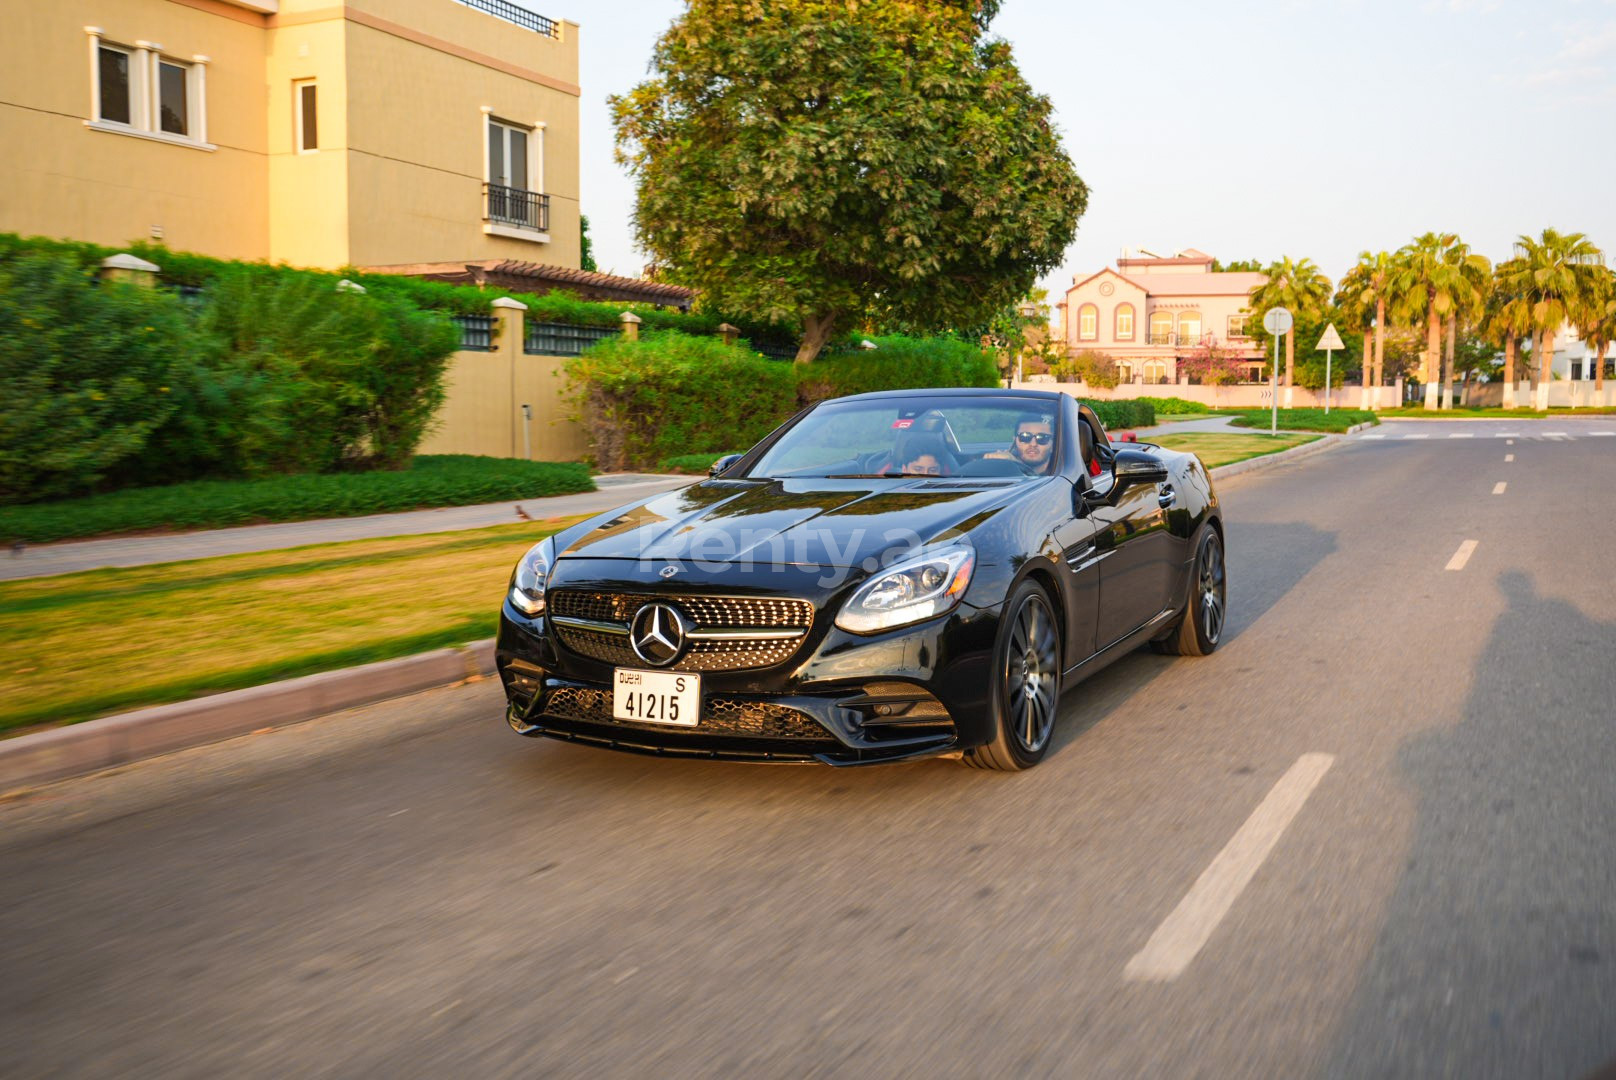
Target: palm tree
point(1557, 274)
point(1435, 274)
point(1598, 324)
point(1468, 289)
point(1299, 286)
point(1505, 321)
point(1364, 292)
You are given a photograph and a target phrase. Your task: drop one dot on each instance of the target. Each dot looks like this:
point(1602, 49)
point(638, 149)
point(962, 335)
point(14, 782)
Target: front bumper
point(839, 699)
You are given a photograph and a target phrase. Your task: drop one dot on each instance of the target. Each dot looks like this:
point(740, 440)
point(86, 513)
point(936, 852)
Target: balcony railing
point(513, 206)
point(513, 14)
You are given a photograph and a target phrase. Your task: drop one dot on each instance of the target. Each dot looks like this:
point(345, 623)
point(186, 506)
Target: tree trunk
point(1447, 363)
point(1599, 371)
point(1290, 354)
point(1433, 349)
point(1509, 371)
point(1544, 372)
point(816, 330)
point(1380, 348)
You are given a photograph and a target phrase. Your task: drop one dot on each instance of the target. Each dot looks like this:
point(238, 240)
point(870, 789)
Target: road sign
point(1277, 321)
point(1330, 342)
point(1331, 339)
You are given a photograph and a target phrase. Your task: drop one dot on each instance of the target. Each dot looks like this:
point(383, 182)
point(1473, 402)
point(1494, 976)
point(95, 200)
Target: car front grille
point(733, 615)
point(719, 716)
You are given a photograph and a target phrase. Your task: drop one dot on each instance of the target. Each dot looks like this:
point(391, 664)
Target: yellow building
point(315, 132)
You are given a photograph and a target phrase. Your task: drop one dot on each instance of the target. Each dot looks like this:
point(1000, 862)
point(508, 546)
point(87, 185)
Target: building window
point(1189, 328)
point(1088, 322)
point(515, 205)
point(117, 92)
point(1161, 328)
point(308, 117)
point(136, 90)
point(1124, 328)
point(1237, 326)
point(173, 113)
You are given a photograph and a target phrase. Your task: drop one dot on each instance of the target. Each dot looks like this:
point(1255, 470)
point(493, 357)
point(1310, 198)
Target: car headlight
point(527, 583)
point(914, 589)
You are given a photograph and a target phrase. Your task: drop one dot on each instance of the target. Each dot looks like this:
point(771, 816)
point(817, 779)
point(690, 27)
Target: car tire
point(1026, 678)
point(1200, 628)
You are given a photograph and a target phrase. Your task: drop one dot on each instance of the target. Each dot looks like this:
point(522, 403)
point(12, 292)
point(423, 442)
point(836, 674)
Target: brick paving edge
point(95, 745)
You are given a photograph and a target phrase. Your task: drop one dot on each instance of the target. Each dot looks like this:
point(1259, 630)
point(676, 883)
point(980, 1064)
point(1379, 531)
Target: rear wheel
point(1026, 684)
point(1201, 628)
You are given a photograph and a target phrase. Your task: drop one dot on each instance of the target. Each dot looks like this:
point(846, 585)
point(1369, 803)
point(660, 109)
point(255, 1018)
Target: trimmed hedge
point(430, 481)
point(1116, 415)
point(671, 395)
point(691, 463)
point(1177, 406)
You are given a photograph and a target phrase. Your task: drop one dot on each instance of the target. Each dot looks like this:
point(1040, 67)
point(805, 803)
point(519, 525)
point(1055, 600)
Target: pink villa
point(1150, 312)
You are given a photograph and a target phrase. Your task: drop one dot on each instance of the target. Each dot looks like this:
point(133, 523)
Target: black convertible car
point(884, 577)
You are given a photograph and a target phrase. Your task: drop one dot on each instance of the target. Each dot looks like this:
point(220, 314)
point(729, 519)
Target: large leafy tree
point(1598, 322)
point(832, 162)
point(1556, 274)
point(1300, 287)
point(1363, 295)
point(1470, 284)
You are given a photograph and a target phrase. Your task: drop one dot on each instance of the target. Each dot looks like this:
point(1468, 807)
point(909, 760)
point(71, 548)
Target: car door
point(1136, 552)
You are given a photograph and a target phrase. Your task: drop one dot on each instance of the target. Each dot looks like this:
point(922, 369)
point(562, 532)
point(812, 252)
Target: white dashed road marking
point(1602, 432)
point(1374, 436)
point(1463, 435)
point(1509, 457)
point(1461, 556)
point(1510, 443)
point(1183, 933)
point(1498, 488)
point(1416, 436)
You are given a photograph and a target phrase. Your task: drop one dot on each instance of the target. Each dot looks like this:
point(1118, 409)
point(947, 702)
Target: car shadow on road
point(1265, 561)
point(1497, 956)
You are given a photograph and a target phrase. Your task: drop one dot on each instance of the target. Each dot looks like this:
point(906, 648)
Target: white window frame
point(145, 92)
point(1088, 323)
point(535, 170)
point(298, 128)
point(1124, 334)
point(1235, 327)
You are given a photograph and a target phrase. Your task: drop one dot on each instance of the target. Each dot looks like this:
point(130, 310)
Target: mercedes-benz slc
point(885, 577)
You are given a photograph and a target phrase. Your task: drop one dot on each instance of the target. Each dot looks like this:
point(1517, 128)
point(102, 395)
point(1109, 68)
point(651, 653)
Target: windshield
point(911, 436)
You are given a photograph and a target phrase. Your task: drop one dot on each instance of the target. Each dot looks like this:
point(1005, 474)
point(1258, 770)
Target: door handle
point(1165, 497)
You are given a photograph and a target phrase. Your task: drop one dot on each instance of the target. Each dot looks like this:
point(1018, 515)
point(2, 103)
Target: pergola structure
point(530, 277)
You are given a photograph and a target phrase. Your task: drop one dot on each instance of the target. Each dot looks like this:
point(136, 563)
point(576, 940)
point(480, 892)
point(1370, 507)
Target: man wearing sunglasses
point(1034, 443)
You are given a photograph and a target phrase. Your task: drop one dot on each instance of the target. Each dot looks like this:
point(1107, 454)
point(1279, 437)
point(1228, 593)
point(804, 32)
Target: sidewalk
point(69, 556)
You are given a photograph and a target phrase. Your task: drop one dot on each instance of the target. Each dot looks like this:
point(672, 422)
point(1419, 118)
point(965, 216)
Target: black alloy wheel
point(1027, 678)
point(1205, 610)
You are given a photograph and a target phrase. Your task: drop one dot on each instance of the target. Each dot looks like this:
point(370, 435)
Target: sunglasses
point(1042, 438)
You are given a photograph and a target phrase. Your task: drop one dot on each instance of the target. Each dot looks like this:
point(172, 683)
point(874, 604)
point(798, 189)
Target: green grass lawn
point(77, 646)
point(1488, 414)
point(1336, 420)
point(1216, 448)
point(430, 482)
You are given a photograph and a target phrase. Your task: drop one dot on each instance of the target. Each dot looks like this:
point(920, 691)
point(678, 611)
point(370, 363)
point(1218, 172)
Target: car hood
point(810, 522)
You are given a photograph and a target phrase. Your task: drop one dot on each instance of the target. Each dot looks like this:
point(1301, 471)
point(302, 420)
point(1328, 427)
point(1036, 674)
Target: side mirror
point(1133, 466)
point(723, 463)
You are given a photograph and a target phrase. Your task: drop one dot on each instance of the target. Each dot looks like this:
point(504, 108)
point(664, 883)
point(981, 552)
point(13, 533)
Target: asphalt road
point(1374, 835)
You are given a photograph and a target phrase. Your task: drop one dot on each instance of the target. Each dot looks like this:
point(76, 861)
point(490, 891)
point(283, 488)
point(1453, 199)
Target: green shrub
point(1177, 406)
point(429, 481)
point(1116, 415)
point(304, 378)
point(670, 394)
point(85, 373)
point(691, 463)
point(897, 363)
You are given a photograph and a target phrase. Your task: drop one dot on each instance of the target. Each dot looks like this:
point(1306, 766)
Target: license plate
point(656, 697)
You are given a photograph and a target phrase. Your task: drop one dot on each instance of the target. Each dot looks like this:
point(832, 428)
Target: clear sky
point(1313, 128)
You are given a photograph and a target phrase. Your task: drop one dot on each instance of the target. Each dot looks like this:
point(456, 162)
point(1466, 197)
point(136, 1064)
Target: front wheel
point(1026, 684)
point(1201, 628)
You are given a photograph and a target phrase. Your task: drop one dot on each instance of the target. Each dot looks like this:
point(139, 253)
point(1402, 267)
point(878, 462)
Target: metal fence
point(500, 9)
point(564, 339)
point(517, 206)
point(476, 332)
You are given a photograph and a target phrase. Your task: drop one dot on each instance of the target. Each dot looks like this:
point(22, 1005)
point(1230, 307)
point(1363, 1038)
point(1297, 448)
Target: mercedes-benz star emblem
point(657, 634)
point(668, 571)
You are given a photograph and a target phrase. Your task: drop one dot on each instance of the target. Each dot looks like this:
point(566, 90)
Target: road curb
point(60, 753)
point(79, 749)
